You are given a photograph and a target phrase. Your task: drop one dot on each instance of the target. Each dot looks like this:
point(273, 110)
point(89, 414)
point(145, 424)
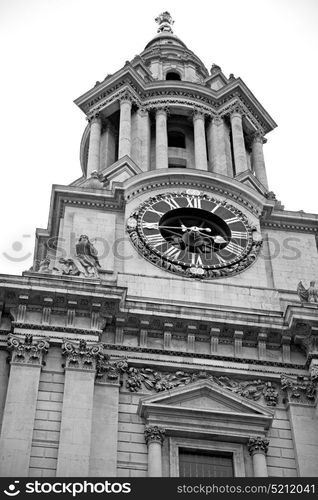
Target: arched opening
point(173, 75)
point(176, 140)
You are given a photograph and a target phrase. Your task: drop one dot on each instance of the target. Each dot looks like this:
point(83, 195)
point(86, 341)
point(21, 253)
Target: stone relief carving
point(84, 264)
point(308, 295)
point(301, 389)
point(108, 369)
point(27, 350)
point(148, 378)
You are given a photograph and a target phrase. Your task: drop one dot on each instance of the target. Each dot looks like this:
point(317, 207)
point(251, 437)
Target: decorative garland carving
point(27, 351)
point(148, 378)
point(257, 445)
point(300, 389)
point(110, 370)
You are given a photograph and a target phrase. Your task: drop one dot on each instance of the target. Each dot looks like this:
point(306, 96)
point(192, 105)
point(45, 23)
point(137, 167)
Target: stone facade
point(116, 355)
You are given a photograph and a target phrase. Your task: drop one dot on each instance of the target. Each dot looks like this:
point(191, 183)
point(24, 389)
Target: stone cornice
point(291, 221)
point(184, 354)
point(100, 96)
point(60, 289)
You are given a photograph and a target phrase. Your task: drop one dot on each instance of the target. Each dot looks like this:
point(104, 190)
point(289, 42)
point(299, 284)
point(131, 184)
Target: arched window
point(176, 140)
point(172, 75)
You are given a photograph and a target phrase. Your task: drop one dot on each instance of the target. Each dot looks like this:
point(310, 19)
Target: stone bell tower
point(169, 321)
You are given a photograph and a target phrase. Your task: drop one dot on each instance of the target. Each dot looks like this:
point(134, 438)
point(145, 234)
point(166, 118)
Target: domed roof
point(167, 44)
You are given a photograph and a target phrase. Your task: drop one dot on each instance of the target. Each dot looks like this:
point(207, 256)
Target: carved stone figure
point(308, 295)
point(45, 266)
point(87, 256)
point(68, 267)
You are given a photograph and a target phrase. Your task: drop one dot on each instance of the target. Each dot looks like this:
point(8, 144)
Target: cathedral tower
point(163, 327)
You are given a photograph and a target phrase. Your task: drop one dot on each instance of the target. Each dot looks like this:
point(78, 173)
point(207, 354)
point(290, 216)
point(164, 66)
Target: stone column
point(124, 146)
point(240, 160)
point(200, 155)
point(20, 406)
point(216, 146)
point(104, 441)
point(154, 436)
point(161, 139)
point(258, 162)
point(144, 131)
point(94, 145)
point(77, 411)
point(257, 447)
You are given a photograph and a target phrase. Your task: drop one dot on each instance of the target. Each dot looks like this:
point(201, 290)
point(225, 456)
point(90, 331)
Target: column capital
point(164, 110)
point(27, 351)
point(81, 356)
point(143, 110)
point(236, 110)
point(125, 97)
point(257, 444)
point(217, 120)
point(258, 137)
point(95, 118)
point(154, 433)
point(198, 114)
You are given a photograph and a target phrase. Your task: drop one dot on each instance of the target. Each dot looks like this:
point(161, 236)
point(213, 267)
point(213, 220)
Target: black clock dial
point(194, 232)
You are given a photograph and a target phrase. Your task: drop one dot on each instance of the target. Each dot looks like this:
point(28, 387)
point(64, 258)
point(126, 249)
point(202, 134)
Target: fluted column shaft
point(154, 436)
point(124, 146)
point(257, 447)
point(240, 160)
point(258, 161)
point(94, 145)
point(200, 156)
point(161, 139)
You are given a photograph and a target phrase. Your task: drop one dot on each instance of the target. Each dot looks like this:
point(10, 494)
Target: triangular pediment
point(251, 181)
point(205, 408)
point(120, 171)
point(207, 396)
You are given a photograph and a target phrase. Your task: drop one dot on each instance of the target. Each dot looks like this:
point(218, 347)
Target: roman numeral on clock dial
point(172, 253)
point(155, 240)
point(239, 234)
point(234, 248)
point(196, 260)
point(220, 259)
point(193, 201)
point(172, 203)
point(154, 211)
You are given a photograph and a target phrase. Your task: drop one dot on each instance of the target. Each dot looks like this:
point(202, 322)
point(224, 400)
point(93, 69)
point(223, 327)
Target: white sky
point(54, 50)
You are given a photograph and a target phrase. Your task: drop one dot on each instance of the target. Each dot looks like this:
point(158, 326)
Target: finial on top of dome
point(165, 22)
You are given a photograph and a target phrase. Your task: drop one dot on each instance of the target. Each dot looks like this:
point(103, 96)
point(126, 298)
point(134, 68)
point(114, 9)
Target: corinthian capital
point(26, 350)
point(257, 445)
point(154, 433)
point(198, 113)
point(81, 356)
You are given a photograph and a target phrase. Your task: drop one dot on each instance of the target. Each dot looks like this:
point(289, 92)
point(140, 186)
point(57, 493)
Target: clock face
point(193, 234)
